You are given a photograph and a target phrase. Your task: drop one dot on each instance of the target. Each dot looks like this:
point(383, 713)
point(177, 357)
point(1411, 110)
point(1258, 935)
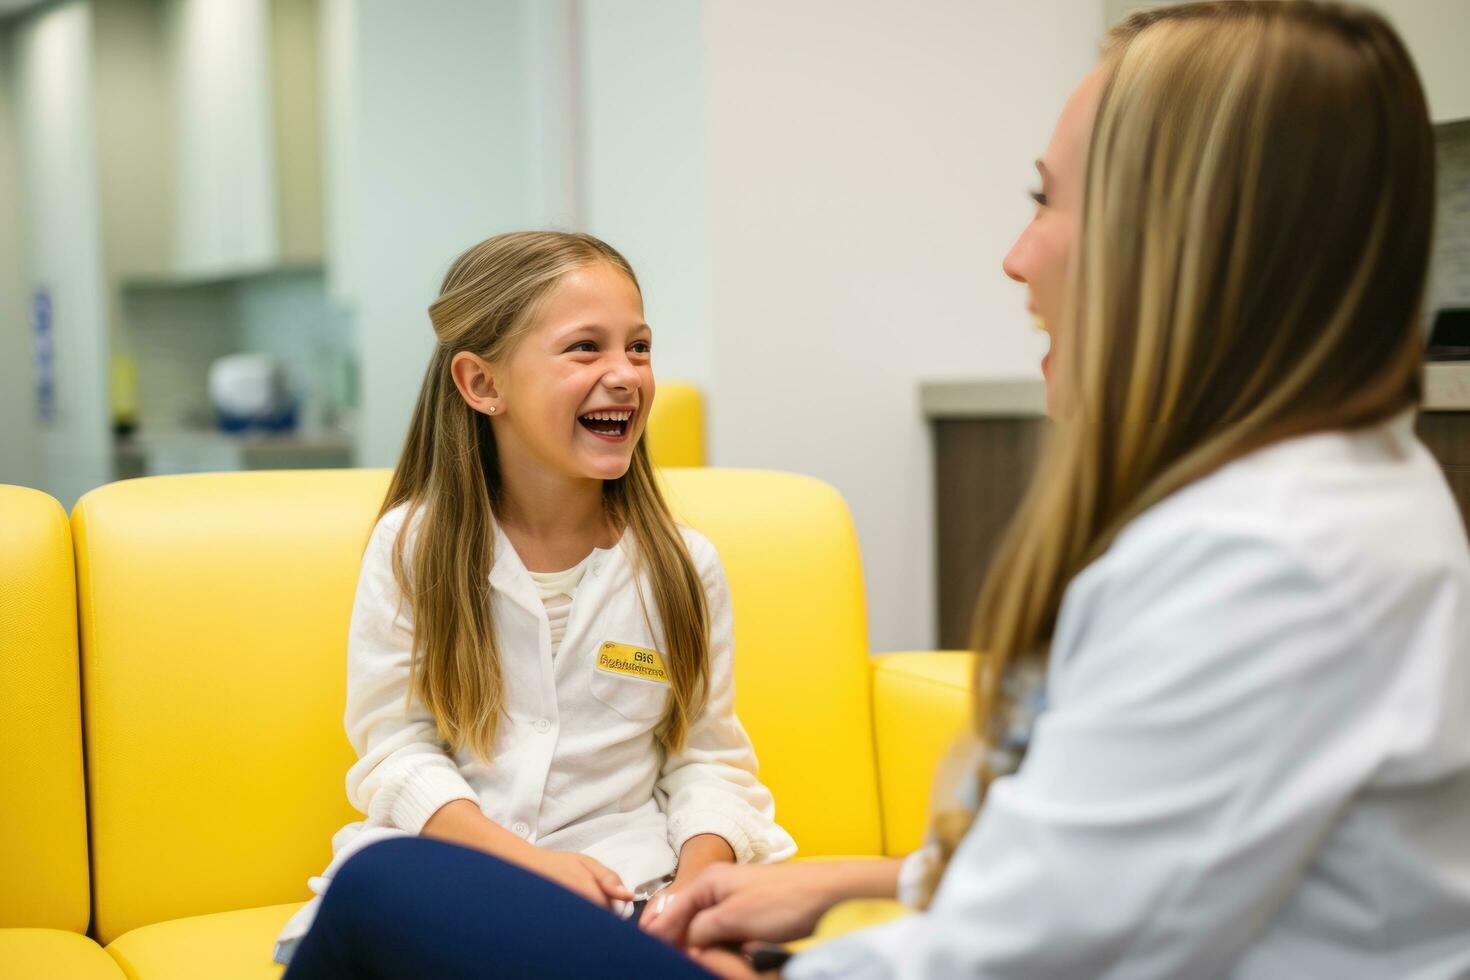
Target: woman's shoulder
point(1331, 499)
point(1340, 516)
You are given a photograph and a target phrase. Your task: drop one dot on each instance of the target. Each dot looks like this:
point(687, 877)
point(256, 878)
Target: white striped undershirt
point(556, 590)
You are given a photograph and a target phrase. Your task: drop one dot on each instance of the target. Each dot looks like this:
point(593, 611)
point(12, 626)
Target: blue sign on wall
point(43, 338)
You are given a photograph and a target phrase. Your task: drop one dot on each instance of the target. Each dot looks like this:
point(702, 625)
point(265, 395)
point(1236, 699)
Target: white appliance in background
point(252, 391)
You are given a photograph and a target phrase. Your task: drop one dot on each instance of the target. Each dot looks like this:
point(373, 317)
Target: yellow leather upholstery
point(54, 954)
point(43, 830)
point(921, 704)
point(223, 946)
point(214, 616)
point(675, 433)
point(858, 913)
point(801, 655)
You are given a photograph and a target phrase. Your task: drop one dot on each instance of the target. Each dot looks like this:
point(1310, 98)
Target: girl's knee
point(377, 866)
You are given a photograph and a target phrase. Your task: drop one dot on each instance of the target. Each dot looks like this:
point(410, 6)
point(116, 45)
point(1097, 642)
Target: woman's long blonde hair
point(1254, 242)
point(449, 477)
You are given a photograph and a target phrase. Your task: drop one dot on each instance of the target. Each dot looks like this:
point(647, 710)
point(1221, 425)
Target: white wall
point(868, 169)
point(645, 172)
point(19, 438)
point(62, 237)
point(438, 156)
point(1437, 33)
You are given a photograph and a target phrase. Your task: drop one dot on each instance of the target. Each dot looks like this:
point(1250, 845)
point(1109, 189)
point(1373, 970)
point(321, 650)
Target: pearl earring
point(492, 409)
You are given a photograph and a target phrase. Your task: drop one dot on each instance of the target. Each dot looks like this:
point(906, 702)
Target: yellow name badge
point(630, 661)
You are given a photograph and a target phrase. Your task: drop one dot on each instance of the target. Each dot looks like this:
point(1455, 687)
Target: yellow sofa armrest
point(921, 704)
point(675, 432)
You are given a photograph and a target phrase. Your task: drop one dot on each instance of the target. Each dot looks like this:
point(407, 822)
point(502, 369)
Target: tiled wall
point(1449, 269)
point(173, 332)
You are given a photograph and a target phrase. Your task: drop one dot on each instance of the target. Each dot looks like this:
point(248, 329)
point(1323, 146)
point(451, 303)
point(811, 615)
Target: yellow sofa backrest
point(675, 432)
point(43, 829)
point(214, 619)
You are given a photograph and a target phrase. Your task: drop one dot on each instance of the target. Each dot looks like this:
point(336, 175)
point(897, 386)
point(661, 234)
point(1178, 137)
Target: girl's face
point(574, 395)
point(1041, 256)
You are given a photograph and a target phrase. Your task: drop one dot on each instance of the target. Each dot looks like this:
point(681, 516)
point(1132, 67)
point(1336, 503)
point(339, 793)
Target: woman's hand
point(698, 853)
point(730, 903)
point(773, 902)
point(578, 873)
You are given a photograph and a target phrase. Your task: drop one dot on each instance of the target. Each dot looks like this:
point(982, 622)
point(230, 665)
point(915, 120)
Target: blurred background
point(221, 221)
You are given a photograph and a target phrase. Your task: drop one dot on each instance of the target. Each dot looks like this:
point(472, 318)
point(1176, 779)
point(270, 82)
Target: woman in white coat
point(1224, 701)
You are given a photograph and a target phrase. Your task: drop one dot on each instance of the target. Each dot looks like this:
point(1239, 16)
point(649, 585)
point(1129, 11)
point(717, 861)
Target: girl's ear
point(475, 378)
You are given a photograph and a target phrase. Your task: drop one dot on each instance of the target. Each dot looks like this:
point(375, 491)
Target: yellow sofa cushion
point(214, 620)
point(43, 829)
point(675, 432)
point(802, 678)
point(54, 954)
point(921, 705)
point(222, 946)
point(859, 913)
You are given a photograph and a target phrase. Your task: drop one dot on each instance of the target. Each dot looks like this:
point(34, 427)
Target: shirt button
point(543, 726)
point(521, 829)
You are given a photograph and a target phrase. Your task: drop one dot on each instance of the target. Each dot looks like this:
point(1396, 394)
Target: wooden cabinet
point(982, 468)
point(984, 465)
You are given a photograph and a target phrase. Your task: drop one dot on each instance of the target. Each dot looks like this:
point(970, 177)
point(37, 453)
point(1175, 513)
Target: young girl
point(540, 662)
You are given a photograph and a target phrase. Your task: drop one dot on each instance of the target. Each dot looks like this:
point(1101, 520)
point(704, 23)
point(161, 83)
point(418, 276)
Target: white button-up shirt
point(1255, 756)
point(576, 765)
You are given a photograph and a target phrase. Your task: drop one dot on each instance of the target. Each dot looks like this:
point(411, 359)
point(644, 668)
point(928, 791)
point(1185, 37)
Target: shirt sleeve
point(1215, 701)
point(710, 786)
point(404, 771)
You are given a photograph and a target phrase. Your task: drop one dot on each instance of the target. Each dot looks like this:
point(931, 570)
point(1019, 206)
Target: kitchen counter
point(1446, 389)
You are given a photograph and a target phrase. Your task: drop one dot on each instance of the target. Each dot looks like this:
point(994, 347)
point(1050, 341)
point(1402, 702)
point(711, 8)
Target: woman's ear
point(475, 378)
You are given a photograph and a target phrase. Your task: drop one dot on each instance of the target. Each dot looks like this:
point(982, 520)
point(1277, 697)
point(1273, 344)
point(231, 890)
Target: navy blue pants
point(414, 907)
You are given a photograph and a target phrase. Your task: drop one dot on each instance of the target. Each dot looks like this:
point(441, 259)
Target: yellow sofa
point(675, 431)
point(43, 821)
point(213, 610)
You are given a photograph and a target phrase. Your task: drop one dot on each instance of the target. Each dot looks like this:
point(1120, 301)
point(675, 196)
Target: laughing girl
point(540, 659)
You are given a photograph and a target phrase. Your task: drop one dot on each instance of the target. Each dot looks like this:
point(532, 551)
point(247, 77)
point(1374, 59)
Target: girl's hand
point(579, 873)
point(734, 903)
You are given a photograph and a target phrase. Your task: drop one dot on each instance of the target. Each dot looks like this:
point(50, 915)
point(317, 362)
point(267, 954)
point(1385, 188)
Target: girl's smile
point(611, 424)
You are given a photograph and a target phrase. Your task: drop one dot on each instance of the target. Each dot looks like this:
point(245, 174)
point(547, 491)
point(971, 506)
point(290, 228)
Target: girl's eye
point(586, 346)
point(642, 347)
point(1039, 197)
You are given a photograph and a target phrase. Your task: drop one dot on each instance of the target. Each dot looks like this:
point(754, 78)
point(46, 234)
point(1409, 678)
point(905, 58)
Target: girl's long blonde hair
point(449, 477)
point(1254, 241)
